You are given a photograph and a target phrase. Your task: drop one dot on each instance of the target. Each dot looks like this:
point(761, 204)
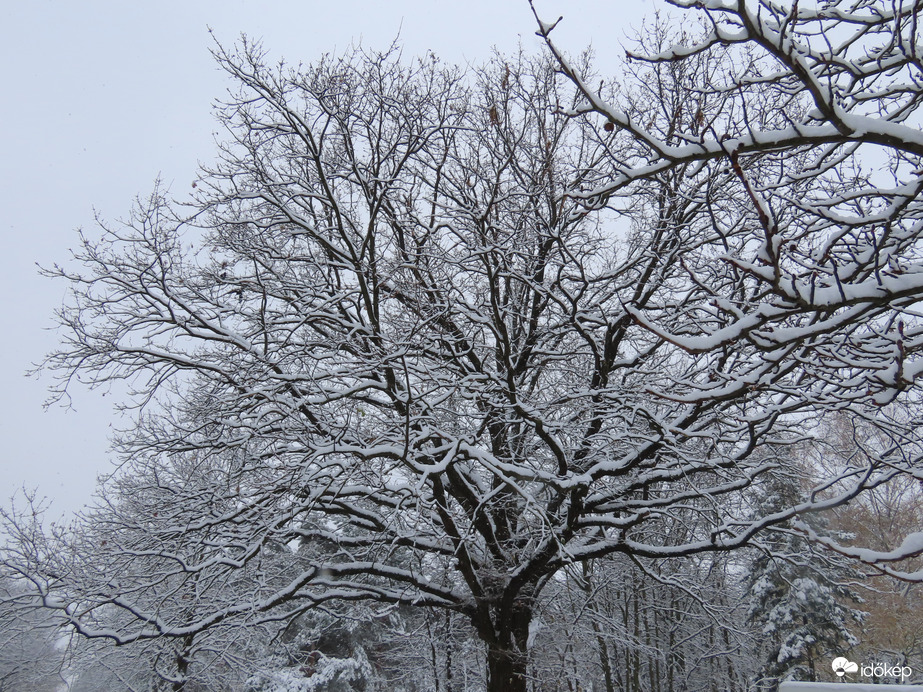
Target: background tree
point(671, 625)
point(31, 649)
point(883, 517)
point(458, 335)
point(804, 603)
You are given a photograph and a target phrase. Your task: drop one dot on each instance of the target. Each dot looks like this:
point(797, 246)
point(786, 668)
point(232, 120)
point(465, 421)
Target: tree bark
point(506, 670)
point(508, 652)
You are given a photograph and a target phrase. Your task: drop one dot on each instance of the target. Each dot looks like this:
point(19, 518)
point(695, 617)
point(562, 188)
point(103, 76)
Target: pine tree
point(798, 599)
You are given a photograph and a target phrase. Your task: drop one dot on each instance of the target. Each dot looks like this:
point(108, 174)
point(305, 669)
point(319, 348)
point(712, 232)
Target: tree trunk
point(506, 670)
point(449, 685)
point(182, 663)
point(508, 653)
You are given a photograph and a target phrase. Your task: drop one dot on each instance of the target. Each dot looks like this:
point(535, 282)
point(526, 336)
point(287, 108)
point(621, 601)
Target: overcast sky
point(99, 98)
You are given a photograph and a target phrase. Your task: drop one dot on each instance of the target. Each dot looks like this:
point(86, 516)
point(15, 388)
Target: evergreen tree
point(798, 598)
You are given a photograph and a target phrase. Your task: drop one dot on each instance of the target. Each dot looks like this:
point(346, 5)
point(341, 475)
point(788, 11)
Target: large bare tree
point(445, 335)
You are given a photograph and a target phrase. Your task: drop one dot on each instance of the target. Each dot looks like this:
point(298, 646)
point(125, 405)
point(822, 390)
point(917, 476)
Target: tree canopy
point(445, 335)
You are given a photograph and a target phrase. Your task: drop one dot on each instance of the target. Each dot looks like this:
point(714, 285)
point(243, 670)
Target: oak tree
point(446, 335)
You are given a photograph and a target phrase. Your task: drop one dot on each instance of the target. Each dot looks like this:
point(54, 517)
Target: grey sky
point(99, 98)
